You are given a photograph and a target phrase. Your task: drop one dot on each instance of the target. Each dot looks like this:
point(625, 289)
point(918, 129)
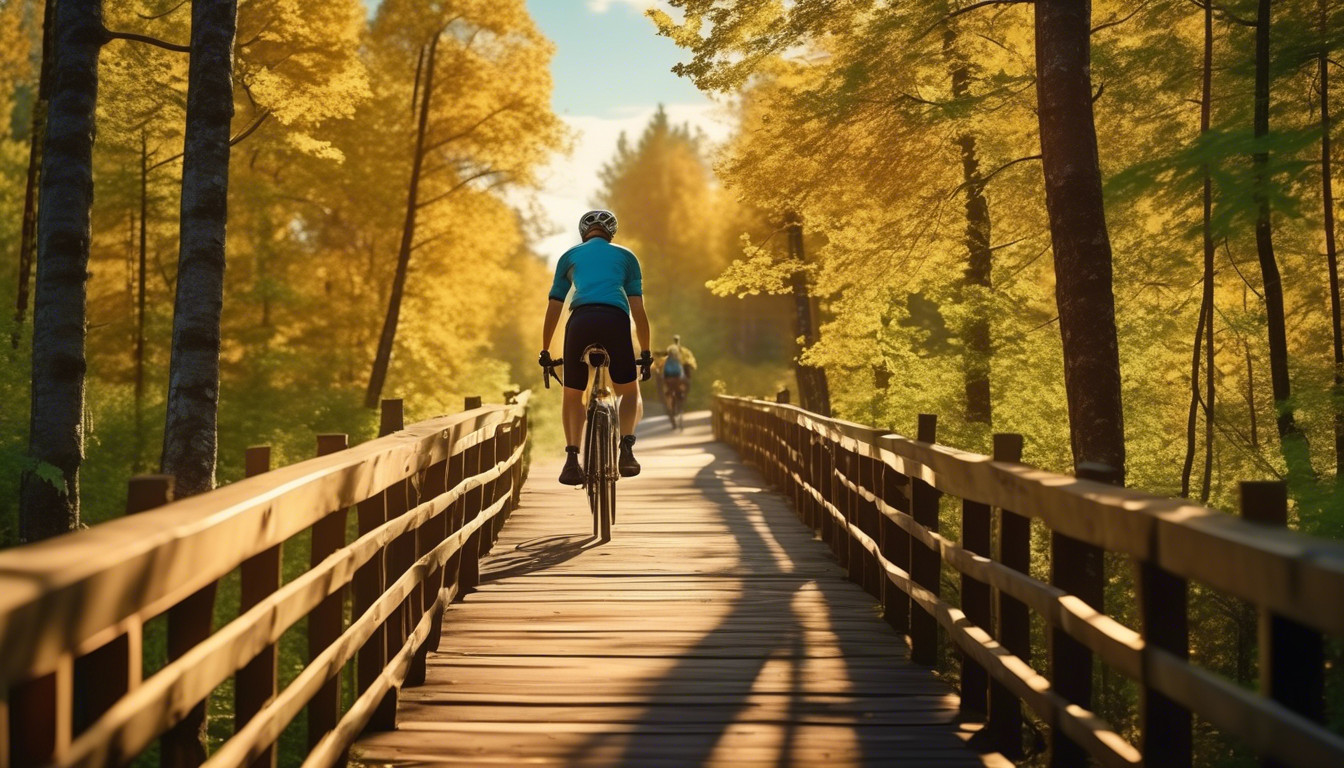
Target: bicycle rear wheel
point(601, 463)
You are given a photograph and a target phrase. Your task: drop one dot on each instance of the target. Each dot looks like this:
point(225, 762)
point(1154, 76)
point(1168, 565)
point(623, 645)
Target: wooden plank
point(712, 630)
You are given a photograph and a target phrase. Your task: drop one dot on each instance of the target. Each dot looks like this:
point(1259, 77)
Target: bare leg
point(632, 406)
point(573, 416)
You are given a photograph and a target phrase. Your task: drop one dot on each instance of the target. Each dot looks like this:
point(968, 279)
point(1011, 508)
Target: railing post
point(472, 403)
point(391, 417)
point(40, 716)
point(107, 673)
point(1014, 629)
point(469, 574)
point(975, 603)
point(400, 552)
point(1078, 568)
point(1164, 726)
point(1291, 654)
point(782, 396)
point(925, 563)
point(324, 622)
point(189, 623)
point(368, 584)
point(427, 596)
point(869, 523)
point(895, 546)
point(260, 576)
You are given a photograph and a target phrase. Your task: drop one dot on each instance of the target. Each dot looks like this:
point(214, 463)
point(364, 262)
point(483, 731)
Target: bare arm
point(641, 321)
point(553, 308)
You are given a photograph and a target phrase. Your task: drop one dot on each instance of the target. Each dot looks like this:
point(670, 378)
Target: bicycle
point(674, 401)
point(602, 433)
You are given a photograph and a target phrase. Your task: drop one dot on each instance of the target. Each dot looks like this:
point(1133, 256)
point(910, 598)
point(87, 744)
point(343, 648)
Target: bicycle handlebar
point(549, 372)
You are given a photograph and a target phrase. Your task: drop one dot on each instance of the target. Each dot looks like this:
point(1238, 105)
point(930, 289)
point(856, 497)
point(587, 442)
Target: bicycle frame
point(602, 432)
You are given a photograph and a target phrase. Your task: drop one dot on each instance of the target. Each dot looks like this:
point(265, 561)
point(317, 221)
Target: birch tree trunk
point(1081, 243)
point(49, 490)
point(383, 358)
point(190, 435)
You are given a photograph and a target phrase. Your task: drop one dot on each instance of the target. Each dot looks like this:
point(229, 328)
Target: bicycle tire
point(591, 463)
point(601, 494)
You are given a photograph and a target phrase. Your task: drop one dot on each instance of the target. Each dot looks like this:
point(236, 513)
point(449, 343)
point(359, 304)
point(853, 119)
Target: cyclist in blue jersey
point(608, 292)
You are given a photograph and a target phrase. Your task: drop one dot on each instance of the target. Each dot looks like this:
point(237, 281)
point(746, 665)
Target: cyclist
point(608, 293)
point(677, 366)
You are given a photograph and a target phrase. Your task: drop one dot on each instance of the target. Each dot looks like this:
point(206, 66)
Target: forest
point(340, 288)
point(1107, 226)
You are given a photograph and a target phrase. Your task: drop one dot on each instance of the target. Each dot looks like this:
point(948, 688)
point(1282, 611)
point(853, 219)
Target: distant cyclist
point(676, 368)
point(608, 291)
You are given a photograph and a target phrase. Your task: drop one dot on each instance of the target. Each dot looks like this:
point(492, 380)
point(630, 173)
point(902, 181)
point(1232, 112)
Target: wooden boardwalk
point(712, 631)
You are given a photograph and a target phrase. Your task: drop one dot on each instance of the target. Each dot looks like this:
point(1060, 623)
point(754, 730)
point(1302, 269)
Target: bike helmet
point(604, 219)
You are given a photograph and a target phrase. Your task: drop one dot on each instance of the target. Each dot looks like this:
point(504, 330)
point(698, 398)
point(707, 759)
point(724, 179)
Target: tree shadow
point(769, 623)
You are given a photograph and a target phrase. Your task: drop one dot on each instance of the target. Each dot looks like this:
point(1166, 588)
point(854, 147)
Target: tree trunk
point(383, 358)
point(1331, 257)
point(813, 390)
point(140, 309)
point(1204, 329)
point(1250, 376)
point(28, 236)
point(976, 344)
point(49, 491)
point(1293, 443)
point(1078, 232)
point(1192, 413)
point(190, 434)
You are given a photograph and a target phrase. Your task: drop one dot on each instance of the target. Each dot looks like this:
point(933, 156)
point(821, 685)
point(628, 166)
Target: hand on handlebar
point(645, 363)
point(549, 365)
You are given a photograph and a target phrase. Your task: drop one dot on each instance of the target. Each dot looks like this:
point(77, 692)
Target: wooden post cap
point(782, 396)
point(472, 403)
point(1008, 447)
point(332, 443)
point(391, 417)
point(145, 492)
point(928, 428)
point(257, 460)
point(1265, 502)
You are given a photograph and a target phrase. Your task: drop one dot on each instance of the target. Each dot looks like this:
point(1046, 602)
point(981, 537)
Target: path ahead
point(712, 631)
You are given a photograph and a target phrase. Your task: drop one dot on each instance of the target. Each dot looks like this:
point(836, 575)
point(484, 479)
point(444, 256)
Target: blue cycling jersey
point(599, 273)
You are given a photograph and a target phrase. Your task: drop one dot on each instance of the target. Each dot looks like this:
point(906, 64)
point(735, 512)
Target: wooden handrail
point(859, 487)
point(84, 593)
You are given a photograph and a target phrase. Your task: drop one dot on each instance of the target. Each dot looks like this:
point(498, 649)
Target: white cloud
point(569, 184)
point(602, 6)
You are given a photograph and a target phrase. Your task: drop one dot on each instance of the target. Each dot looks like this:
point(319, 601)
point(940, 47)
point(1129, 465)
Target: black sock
point(628, 440)
point(571, 449)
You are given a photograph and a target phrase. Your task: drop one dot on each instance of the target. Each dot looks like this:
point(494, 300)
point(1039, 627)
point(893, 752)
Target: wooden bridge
point(714, 629)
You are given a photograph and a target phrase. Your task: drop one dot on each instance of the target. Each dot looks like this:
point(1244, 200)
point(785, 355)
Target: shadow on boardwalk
point(791, 630)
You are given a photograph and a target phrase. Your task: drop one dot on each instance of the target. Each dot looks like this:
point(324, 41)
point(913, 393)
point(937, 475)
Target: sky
point(611, 71)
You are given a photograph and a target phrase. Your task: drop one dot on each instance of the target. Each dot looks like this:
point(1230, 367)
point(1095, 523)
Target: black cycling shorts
point(600, 324)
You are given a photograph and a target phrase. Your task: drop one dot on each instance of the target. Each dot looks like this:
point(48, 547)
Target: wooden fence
point(875, 498)
point(428, 502)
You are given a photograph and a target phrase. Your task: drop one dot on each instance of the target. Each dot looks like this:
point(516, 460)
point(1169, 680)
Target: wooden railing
point(428, 502)
point(875, 498)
